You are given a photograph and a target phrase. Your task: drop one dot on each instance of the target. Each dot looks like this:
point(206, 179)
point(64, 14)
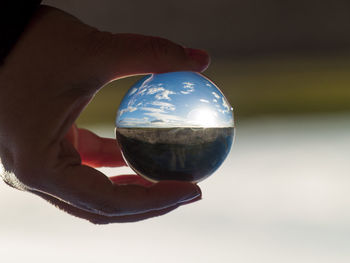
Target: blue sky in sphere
point(176, 99)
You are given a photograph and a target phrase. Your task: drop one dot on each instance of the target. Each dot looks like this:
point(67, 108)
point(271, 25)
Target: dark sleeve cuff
point(14, 16)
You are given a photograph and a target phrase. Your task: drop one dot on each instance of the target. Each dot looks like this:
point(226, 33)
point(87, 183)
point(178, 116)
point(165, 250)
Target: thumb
point(122, 55)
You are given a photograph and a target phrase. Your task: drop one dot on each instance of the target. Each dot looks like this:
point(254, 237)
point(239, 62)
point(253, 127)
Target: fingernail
point(195, 195)
point(201, 57)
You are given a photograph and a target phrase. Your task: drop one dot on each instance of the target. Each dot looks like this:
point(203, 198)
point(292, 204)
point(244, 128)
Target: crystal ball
point(175, 126)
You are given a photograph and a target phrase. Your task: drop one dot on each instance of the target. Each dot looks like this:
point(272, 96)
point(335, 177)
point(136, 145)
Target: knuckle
point(18, 180)
point(97, 41)
point(160, 46)
point(7, 168)
point(26, 180)
point(30, 172)
point(157, 46)
point(150, 45)
point(101, 45)
point(9, 178)
point(21, 169)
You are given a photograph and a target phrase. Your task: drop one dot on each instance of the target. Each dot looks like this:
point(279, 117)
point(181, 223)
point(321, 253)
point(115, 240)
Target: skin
point(54, 70)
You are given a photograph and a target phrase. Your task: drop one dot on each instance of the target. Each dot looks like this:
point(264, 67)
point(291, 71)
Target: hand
point(51, 74)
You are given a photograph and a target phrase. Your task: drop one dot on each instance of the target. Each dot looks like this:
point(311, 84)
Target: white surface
point(282, 196)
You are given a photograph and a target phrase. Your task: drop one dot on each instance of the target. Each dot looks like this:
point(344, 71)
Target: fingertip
point(195, 194)
point(180, 192)
point(191, 201)
point(200, 57)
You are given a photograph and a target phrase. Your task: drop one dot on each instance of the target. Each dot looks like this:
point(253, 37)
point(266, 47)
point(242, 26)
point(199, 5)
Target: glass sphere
point(175, 126)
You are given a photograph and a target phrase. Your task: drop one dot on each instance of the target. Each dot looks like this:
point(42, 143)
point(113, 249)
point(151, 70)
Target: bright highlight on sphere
point(175, 126)
point(203, 117)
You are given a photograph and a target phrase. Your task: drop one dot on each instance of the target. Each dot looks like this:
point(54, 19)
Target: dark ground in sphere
point(185, 154)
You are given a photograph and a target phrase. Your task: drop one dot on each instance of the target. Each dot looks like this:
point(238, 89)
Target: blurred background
point(282, 195)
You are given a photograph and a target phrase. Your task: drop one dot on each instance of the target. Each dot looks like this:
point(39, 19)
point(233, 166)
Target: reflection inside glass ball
point(175, 126)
